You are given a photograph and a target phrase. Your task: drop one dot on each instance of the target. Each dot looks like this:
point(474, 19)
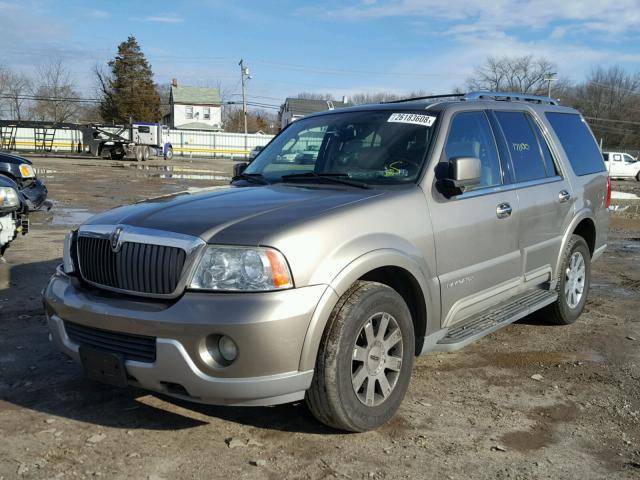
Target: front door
point(478, 259)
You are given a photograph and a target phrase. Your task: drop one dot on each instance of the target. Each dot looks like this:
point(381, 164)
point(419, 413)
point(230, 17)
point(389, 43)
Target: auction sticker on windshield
point(414, 118)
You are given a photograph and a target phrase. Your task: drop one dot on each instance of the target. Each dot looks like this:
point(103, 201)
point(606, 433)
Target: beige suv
point(356, 240)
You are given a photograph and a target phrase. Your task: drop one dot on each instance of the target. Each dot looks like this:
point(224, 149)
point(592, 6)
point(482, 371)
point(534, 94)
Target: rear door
point(478, 259)
point(544, 194)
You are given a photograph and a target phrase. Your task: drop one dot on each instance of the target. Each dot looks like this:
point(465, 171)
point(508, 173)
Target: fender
point(579, 216)
point(347, 276)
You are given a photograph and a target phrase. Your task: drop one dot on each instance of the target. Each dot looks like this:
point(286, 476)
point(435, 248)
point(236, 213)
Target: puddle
point(183, 176)
point(70, 216)
point(542, 433)
point(176, 172)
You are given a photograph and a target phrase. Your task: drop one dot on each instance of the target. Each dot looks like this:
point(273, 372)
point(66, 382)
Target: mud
point(477, 413)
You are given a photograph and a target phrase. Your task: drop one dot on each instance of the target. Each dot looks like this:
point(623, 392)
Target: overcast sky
point(331, 46)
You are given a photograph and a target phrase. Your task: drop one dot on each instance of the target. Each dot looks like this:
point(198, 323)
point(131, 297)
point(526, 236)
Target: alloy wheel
point(575, 275)
point(377, 359)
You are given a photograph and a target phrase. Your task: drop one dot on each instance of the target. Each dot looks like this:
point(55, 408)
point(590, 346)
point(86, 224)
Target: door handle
point(503, 210)
point(564, 196)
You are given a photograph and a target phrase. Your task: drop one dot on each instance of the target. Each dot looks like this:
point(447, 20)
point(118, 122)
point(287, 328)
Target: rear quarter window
point(578, 142)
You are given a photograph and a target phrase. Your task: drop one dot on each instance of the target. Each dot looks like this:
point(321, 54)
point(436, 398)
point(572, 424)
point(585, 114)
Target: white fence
point(186, 143)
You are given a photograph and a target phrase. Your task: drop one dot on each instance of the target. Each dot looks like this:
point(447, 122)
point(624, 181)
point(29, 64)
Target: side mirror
point(464, 172)
point(239, 168)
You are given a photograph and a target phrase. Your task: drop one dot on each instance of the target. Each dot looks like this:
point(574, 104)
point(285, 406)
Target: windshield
point(372, 147)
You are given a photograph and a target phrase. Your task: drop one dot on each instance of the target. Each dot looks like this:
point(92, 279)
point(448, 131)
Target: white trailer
point(139, 141)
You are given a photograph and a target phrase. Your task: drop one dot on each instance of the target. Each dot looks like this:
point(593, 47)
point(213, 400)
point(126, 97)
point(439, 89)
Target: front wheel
point(365, 359)
point(638, 177)
point(169, 154)
point(574, 279)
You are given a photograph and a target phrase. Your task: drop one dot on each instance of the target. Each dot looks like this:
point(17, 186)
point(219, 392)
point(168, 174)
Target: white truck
point(622, 165)
point(139, 140)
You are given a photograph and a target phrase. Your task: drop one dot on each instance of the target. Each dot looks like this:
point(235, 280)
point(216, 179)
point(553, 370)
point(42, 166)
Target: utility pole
point(244, 76)
point(550, 78)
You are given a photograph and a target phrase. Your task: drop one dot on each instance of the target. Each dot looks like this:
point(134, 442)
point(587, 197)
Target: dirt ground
point(477, 413)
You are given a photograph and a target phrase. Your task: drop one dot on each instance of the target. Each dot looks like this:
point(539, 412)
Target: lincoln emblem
point(114, 239)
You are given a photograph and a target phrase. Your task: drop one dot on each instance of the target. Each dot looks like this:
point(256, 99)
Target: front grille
point(136, 267)
point(131, 347)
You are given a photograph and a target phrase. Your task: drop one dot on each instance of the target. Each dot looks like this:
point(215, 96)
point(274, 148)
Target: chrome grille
point(136, 267)
point(131, 347)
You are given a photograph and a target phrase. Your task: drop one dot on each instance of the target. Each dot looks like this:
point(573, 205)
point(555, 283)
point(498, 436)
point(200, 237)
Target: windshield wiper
point(251, 178)
point(341, 178)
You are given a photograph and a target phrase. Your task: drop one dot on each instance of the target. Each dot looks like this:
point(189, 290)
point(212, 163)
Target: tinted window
point(374, 147)
point(549, 164)
point(470, 136)
point(606, 157)
point(523, 146)
point(578, 143)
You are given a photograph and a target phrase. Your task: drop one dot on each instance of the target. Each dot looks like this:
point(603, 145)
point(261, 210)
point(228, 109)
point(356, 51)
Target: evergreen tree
point(128, 91)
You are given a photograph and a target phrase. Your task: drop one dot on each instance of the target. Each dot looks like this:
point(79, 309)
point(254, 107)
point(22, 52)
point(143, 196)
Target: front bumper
point(35, 194)
point(269, 329)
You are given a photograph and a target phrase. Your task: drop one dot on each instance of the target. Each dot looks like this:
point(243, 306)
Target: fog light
point(228, 349)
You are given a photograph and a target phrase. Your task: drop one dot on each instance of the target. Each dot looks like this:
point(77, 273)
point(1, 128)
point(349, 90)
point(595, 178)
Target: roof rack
point(428, 97)
point(509, 97)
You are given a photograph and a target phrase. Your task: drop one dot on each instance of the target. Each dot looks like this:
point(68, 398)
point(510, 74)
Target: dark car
point(21, 171)
point(13, 213)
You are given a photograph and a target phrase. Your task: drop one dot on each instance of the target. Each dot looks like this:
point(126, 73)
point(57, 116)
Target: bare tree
point(513, 74)
point(608, 95)
point(14, 94)
point(56, 98)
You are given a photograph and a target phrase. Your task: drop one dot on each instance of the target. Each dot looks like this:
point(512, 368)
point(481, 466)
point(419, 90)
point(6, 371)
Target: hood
point(14, 159)
point(215, 214)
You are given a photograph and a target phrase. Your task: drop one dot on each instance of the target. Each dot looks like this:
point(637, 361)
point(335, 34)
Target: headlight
point(241, 269)
point(27, 171)
point(67, 258)
point(9, 197)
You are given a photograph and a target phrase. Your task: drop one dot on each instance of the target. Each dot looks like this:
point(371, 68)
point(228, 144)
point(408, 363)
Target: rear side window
point(578, 143)
point(523, 146)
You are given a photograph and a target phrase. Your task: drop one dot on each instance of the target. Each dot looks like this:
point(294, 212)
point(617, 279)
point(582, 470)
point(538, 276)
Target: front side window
point(470, 135)
point(523, 146)
point(628, 158)
point(578, 142)
point(372, 147)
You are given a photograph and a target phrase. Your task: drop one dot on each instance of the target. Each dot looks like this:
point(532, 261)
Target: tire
point(566, 310)
point(638, 177)
point(138, 153)
point(146, 153)
point(332, 398)
point(169, 154)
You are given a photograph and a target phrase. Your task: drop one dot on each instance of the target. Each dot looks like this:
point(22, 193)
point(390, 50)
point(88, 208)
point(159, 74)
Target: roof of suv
point(443, 102)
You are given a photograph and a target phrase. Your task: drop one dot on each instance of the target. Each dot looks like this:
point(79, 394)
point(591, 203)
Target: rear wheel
point(574, 279)
point(138, 153)
point(638, 177)
point(146, 153)
point(365, 359)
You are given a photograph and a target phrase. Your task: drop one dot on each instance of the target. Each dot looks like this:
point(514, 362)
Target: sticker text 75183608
point(414, 118)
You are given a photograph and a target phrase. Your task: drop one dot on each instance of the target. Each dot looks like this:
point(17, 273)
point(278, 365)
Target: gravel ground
point(477, 413)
